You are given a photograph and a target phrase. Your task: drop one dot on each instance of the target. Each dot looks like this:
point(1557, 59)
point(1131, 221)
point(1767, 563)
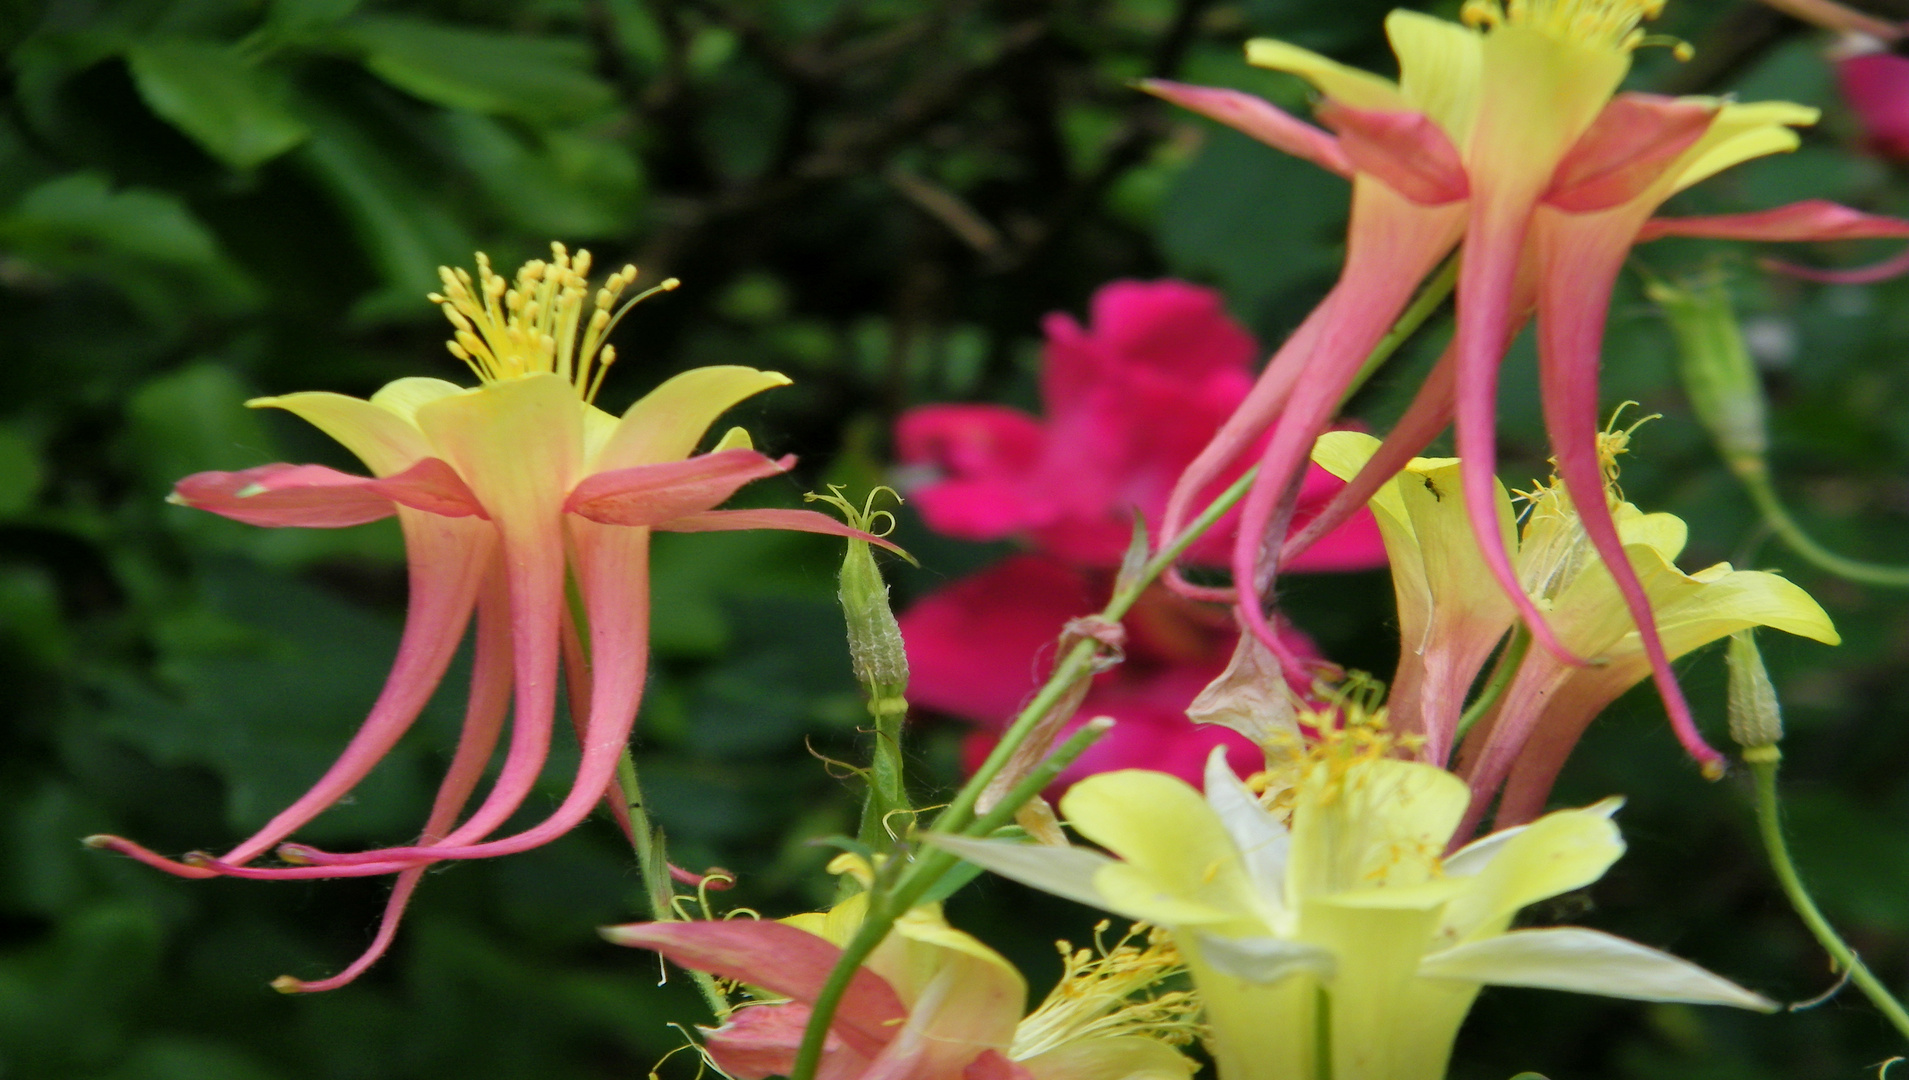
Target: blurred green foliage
point(204, 200)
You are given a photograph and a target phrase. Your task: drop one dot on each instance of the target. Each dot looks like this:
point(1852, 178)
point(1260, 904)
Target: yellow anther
point(529, 325)
point(1607, 23)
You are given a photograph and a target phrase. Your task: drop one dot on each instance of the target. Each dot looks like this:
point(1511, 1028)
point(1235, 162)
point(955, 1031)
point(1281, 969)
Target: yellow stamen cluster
point(1112, 991)
point(1556, 547)
point(1350, 721)
point(1608, 23)
point(506, 329)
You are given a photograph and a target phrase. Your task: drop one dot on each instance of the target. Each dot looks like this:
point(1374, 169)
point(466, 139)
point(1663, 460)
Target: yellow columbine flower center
point(506, 329)
point(1350, 720)
point(1106, 991)
point(1567, 548)
point(1609, 23)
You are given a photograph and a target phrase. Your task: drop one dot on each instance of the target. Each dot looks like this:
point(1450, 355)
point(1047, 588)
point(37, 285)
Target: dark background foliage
point(205, 200)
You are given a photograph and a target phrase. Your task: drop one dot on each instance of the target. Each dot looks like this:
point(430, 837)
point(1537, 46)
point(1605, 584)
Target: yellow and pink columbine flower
point(931, 1003)
point(1334, 891)
point(1504, 138)
point(1451, 618)
point(504, 492)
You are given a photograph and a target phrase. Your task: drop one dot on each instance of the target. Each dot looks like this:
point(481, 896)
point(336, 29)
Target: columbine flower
point(932, 1003)
point(1450, 617)
point(502, 490)
point(1342, 900)
point(1506, 134)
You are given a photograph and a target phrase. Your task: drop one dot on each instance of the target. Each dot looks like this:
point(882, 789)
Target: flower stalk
point(877, 657)
point(1756, 725)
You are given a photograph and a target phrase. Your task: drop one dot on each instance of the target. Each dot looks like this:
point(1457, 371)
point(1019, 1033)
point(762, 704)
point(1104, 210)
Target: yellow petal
point(838, 924)
point(403, 396)
point(963, 997)
point(1559, 852)
point(1667, 533)
point(1742, 132)
point(1538, 95)
point(1177, 850)
point(1350, 85)
point(387, 441)
point(1438, 69)
point(1379, 823)
point(668, 422)
point(1378, 953)
point(517, 442)
point(1692, 609)
point(736, 438)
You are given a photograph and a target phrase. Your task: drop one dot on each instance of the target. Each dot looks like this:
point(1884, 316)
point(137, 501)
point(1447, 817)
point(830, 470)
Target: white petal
point(1262, 839)
point(1587, 962)
point(1066, 872)
point(1264, 959)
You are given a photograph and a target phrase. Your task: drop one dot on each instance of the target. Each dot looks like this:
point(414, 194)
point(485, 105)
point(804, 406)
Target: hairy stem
point(1763, 762)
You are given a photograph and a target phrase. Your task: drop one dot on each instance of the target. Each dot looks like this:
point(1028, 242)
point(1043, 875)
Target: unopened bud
point(1718, 375)
point(874, 637)
point(1756, 717)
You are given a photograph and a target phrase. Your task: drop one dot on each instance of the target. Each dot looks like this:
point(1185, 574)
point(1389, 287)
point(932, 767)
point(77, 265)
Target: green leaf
point(147, 243)
point(208, 91)
point(20, 471)
point(550, 183)
point(289, 18)
point(406, 229)
point(481, 70)
point(1251, 219)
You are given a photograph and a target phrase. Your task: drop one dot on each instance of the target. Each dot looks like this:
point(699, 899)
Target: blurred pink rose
point(979, 648)
point(1876, 86)
point(1129, 400)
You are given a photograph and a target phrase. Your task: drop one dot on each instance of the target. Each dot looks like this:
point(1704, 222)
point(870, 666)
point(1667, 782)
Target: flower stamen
point(1106, 991)
point(507, 329)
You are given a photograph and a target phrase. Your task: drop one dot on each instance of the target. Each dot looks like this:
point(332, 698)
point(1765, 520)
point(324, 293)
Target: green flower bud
point(874, 637)
point(1756, 717)
point(1715, 365)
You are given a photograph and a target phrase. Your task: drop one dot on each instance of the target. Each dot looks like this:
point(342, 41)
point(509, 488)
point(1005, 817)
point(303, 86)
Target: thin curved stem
point(1756, 479)
point(1763, 762)
point(1501, 676)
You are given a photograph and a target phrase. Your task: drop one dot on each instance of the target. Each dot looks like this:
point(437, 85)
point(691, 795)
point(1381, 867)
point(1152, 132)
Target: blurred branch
point(1838, 17)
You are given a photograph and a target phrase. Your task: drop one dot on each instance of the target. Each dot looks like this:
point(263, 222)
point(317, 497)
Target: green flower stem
point(1756, 480)
point(1322, 1034)
point(1078, 663)
point(653, 864)
point(886, 905)
point(886, 793)
point(1514, 655)
point(1763, 761)
point(652, 861)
